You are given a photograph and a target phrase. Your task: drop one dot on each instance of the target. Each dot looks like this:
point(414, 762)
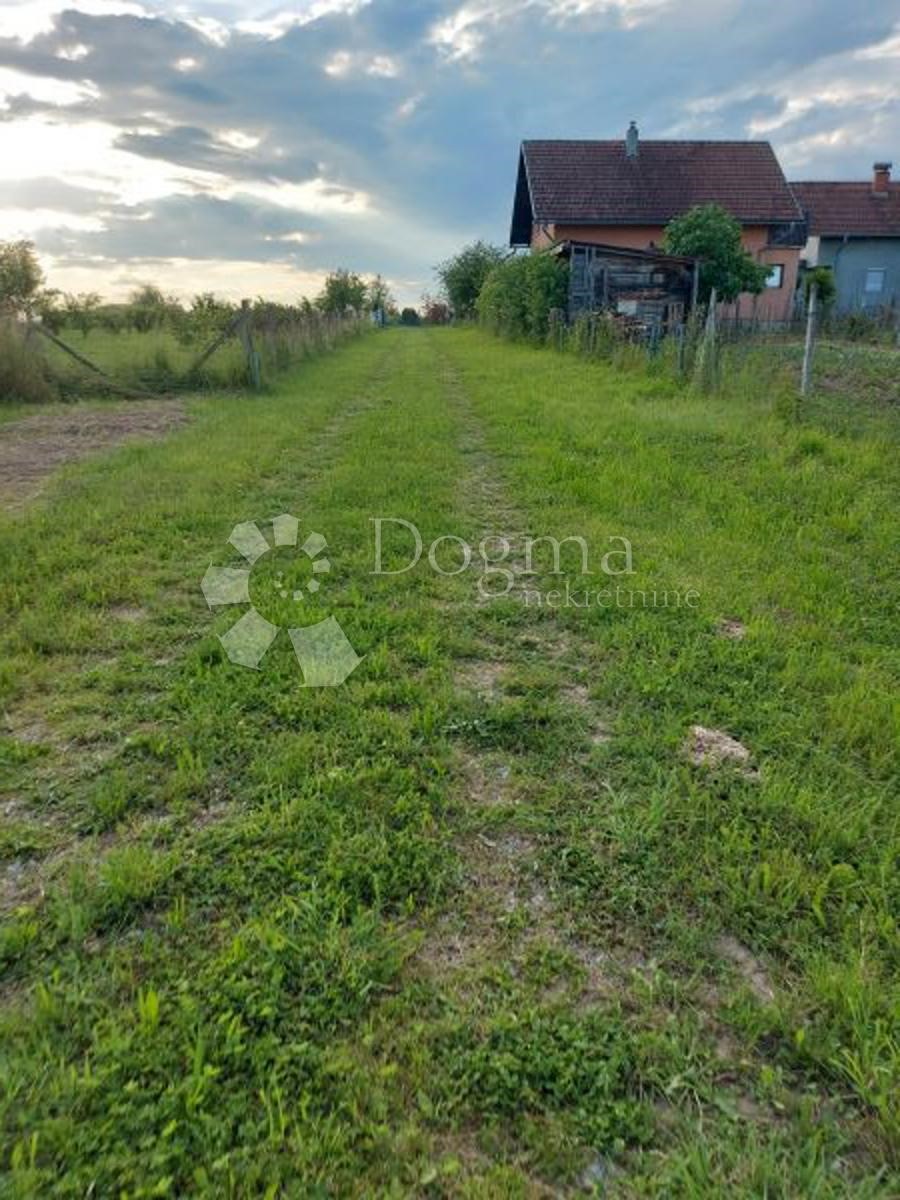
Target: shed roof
point(656, 256)
point(596, 183)
point(835, 209)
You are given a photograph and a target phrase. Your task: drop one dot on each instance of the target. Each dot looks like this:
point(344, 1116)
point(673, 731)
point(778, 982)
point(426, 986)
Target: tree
point(21, 277)
point(711, 234)
point(343, 289)
point(378, 295)
point(148, 307)
point(462, 275)
point(208, 316)
point(48, 309)
point(434, 311)
point(81, 310)
point(409, 316)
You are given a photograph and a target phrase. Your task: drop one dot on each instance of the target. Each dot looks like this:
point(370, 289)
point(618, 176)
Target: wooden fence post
point(245, 333)
point(806, 372)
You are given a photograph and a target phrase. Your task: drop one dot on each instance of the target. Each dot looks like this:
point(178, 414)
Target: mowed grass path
point(471, 924)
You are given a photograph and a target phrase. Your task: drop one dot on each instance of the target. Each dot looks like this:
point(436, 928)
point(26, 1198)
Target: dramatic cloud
point(210, 144)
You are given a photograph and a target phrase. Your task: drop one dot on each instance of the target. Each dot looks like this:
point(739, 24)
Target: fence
point(712, 349)
point(246, 347)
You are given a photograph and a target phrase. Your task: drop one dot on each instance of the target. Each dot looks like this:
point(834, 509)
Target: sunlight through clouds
point(380, 134)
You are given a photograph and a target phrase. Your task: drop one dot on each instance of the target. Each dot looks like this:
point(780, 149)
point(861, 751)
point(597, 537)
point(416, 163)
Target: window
point(775, 277)
point(875, 279)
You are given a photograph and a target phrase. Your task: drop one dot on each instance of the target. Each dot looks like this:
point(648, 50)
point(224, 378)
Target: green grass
point(429, 933)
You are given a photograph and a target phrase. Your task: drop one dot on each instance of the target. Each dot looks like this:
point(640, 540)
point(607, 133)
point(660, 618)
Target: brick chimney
point(881, 178)
point(631, 141)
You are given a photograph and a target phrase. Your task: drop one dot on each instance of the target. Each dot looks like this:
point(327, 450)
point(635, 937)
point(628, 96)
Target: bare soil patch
point(486, 780)
point(129, 613)
point(577, 696)
point(730, 627)
point(749, 967)
point(712, 747)
point(481, 677)
point(33, 448)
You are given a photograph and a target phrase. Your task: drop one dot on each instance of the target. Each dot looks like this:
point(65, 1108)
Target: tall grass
point(24, 376)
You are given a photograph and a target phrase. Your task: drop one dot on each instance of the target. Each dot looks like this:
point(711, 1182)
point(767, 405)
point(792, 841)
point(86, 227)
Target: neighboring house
point(624, 193)
point(854, 228)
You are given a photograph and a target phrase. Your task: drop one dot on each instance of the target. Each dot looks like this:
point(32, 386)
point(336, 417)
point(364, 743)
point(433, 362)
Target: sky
point(248, 149)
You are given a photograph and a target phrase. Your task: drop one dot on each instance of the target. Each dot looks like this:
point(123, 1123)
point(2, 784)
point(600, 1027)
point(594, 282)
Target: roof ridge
point(866, 183)
point(652, 141)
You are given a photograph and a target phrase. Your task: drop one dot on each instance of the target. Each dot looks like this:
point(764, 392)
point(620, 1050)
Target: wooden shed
point(651, 289)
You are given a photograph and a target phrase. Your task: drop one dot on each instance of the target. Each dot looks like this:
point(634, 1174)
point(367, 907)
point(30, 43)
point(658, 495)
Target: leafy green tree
point(711, 234)
point(21, 277)
point(409, 316)
point(148, 308)
point(343, 289)
point(462, 276)
point(207, 316)
point(82, 311)
point(48, 308)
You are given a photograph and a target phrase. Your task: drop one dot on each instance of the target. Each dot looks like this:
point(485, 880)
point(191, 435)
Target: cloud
point(382, 135)
point(463, 33)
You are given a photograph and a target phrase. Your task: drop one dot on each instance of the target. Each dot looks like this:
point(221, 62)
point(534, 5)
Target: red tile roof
point(834, 209)
point(596, 183)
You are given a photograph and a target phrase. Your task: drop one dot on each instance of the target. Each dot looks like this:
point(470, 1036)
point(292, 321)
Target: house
point(854, 228)
point(624, 193)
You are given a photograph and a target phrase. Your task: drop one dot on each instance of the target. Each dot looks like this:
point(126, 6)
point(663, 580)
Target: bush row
point(518, 295)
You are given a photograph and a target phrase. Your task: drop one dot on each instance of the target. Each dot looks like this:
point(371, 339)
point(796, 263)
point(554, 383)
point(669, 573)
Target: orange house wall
point(774, 304)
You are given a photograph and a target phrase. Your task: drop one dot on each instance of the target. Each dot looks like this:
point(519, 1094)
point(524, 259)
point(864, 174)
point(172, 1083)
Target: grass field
point(473, 923)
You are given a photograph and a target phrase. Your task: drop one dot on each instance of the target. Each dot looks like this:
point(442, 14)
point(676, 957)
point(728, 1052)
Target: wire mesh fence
point(233, 347)
point(714, 351)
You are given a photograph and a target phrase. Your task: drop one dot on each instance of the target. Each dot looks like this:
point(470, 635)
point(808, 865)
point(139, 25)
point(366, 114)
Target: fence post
point(705, 370)
point(806, 372)
point(245, 333)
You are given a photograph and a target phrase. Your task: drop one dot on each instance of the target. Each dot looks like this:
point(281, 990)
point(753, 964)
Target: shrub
point(826, 288)
point(860, 326)
point(409, 316)
point(519, 294)
point(23, 370)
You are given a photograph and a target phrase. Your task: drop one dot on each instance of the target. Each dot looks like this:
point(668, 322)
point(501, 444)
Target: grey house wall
point(851, 259)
